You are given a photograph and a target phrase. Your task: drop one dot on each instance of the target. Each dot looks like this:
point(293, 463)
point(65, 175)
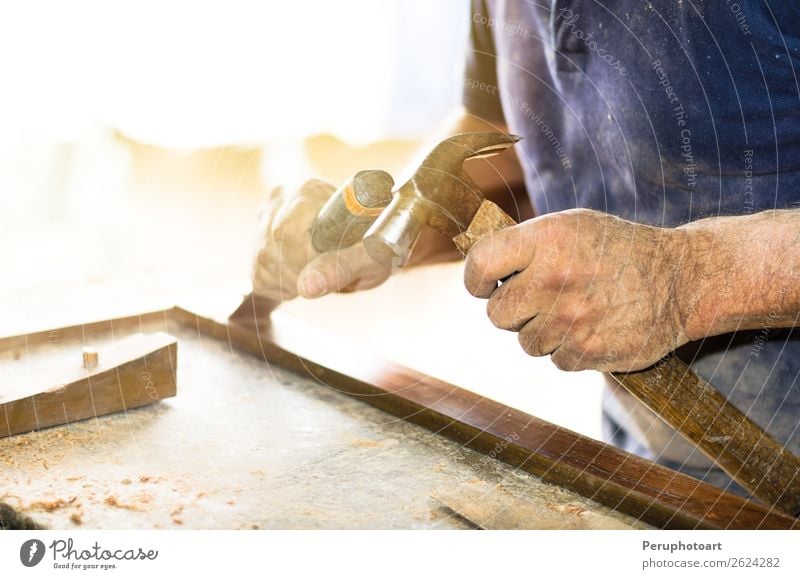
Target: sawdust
point(20, 451)
point(58, 435)
point(366, 443)
point(569, 509)
point(175, 514)
point(113, 501)
point(51, 505)
point(9, 462)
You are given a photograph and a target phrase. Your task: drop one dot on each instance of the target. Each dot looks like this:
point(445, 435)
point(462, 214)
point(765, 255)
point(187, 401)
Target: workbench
point(246, 444)
point(272, 428)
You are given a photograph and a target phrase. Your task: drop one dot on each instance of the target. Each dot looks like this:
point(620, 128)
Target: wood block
point(132, 372)
point(488, 219)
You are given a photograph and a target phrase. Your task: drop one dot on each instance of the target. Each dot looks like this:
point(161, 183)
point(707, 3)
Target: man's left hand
point(592, 290)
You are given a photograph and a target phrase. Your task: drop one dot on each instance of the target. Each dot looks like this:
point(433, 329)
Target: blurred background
point(139, 138)
point(122, 121)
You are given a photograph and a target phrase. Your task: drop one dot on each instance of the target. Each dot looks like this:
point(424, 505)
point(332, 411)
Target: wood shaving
point(53, 505)
point(366, 443)
point(174, 514)
point(112, 501)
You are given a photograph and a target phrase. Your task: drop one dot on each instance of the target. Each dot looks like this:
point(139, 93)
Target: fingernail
point(313, 285)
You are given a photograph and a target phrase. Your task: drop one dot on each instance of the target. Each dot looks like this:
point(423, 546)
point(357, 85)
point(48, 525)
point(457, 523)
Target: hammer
point(358, 208)
point(440, 195)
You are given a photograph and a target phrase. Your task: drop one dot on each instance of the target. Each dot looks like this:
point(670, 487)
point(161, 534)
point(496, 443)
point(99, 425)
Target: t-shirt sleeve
point(481, 95)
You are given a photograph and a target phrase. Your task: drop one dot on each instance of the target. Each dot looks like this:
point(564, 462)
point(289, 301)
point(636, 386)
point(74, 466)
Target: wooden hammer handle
point(694, 408)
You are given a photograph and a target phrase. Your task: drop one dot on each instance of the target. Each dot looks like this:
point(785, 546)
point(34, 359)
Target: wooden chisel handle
point(694, 408)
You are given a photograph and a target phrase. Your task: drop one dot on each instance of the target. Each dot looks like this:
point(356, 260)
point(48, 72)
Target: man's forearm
point(741, 273)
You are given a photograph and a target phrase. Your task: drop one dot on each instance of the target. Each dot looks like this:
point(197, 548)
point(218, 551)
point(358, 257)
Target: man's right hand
point(287, 265)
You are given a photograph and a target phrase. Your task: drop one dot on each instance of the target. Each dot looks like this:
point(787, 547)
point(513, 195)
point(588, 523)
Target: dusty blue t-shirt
point(661, 113)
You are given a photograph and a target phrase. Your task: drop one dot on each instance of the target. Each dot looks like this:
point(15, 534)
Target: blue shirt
point(661, 113)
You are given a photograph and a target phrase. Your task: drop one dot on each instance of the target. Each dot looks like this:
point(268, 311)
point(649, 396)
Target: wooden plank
point(132, 372)
point(635, 486)
point(695, 409)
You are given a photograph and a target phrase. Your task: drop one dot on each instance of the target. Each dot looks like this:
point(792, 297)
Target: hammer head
point(439, 194)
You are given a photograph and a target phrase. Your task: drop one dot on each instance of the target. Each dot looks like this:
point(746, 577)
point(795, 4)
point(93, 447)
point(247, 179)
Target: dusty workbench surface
point(249, 445)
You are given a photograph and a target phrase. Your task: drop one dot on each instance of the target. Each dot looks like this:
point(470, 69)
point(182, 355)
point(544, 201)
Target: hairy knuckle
point(552, 278)
point(566, 313)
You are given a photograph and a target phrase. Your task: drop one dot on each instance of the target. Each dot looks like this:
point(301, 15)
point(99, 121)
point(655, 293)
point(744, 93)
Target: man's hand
point(591, 290)
point(287, 265)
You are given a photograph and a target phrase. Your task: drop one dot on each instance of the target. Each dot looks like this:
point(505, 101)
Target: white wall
point(195, 74)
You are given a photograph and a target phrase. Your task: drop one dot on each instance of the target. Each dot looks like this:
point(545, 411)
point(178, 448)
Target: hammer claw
point(439, 194)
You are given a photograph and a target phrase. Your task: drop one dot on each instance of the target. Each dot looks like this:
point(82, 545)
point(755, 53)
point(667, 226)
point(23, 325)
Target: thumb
point(335, 270)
